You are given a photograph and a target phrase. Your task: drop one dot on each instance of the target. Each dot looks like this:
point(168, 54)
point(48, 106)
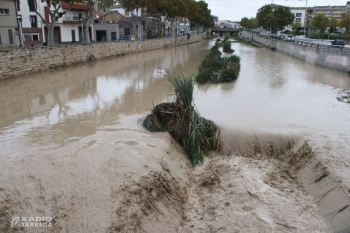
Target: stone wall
point(330, 58)
point(30, 60)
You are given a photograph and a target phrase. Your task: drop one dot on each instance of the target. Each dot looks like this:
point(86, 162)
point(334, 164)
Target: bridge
point(222, 31)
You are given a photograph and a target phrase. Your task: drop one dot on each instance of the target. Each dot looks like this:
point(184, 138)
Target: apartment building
point(8, 24)
point(31, 25)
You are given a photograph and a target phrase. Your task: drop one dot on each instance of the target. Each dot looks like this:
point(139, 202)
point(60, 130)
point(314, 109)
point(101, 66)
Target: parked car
point(338, 42)
point(274, 36)
point(282, 37)
point(289, 38)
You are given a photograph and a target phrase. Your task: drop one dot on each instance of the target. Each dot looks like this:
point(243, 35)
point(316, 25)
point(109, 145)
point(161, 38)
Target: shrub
point(197, 134)
point(227, 47)
point(216, 69)
point(286, 32)
point(228, 75)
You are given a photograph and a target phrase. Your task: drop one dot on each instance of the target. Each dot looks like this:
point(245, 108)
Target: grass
point(243, 41)
point(197, 134)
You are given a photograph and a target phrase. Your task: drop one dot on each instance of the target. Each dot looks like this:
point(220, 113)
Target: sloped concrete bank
point(330, 58)
point(30, 60)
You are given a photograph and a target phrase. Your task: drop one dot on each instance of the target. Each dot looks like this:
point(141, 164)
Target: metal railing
point(312, 44)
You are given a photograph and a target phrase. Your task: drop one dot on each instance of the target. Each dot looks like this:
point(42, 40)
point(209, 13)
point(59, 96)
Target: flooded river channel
point(72, 147)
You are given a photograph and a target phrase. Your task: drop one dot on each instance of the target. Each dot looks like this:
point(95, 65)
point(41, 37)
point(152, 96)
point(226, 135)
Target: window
point(31, 4)
point(18, 5)
point(77, 16)
point(298, 15)
point(4, 11)
point(298, 19)
point(0, 39)
point(35, 37)
point(33, 21)
point(10, 36)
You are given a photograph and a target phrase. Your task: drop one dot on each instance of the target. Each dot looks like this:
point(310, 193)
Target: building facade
point(31, 25)
point(8, 24)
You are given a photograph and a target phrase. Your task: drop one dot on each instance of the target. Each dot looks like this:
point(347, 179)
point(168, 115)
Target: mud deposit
point(72, 149)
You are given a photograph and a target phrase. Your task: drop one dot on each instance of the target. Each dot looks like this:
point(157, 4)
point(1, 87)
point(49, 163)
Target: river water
point(62, 133)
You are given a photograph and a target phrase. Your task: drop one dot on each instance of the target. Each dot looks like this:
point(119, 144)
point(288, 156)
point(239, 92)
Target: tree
point(244, 22)
point(334, 23)
point(282, 17)
point(320, 22)
point(252, 23)
point(296, 25)
point(345, 21)
point(95, 6)
point(266, 17)
point(138, 7)
point(55, 12)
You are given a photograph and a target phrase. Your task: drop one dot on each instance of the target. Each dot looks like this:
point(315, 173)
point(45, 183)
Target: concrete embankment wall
point(30, 60)
point(330, 58)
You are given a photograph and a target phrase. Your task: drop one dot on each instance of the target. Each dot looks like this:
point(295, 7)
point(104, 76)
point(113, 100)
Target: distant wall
point(30, 60)
point(330, 58)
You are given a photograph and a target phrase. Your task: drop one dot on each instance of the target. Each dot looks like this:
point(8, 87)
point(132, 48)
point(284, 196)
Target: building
point(330, 11)
point(30, 24)
point(108, 23)
point(68, 28)
point(8, 24)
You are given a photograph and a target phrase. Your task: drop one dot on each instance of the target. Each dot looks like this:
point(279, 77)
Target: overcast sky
point(236, 9)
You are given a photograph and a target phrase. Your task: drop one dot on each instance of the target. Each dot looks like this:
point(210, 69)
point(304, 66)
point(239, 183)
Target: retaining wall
point(330, 58)
point(30, 60)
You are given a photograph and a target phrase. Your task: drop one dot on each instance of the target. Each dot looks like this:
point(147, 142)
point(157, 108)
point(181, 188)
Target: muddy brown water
point(54, 124)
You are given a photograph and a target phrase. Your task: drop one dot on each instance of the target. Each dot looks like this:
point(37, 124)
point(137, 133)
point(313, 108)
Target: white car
point(289, 38)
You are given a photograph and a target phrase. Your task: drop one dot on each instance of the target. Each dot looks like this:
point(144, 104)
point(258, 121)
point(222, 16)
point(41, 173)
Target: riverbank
point(32, 60)
point(72, 147)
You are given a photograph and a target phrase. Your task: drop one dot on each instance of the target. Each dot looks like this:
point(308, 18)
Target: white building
point(68, 29)
point(31, 23)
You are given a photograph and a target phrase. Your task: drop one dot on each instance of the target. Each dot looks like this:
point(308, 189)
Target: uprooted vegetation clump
point(180, 118)
point(215, 68)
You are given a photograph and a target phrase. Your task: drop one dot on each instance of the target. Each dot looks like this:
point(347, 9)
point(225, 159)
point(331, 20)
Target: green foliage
point(200, 13)
point(320, 22)
point(245, 22)
point(287, 32)
point(184, 87)
point(227, 47)
point(297, 33)
point(228, 75)
point(345, 21)
point(332, 37)
point(282, 16)
point(213, 66)
point(226, 37)
point(296, 25)
point(197, 134)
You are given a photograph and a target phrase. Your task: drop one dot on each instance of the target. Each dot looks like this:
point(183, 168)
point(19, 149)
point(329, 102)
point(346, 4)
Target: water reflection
point(55, 107)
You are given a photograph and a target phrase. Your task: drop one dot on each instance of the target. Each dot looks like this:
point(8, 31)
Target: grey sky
point(236, 9)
